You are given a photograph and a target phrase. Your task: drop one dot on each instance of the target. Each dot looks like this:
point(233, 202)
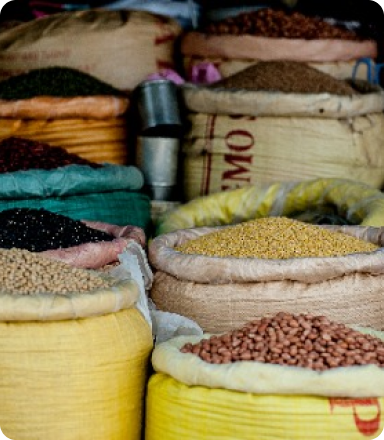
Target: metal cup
point(158, 160)
point(158, 108)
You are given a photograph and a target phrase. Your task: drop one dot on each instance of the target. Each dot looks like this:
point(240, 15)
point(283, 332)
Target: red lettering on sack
point(207, 156)
point(164, 64)
point(245, 135)
point(165, 36)
point(237, 173)
point(365, 427)
point(244, 118)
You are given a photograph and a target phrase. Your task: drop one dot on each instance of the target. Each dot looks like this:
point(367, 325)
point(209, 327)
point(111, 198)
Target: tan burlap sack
point(232, 53)
point(118, 47)
point(221, 294)
point(228, 67)
point(239, 137)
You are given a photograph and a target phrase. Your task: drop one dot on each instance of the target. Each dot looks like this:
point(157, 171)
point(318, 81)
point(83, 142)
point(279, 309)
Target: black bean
point(38, 230)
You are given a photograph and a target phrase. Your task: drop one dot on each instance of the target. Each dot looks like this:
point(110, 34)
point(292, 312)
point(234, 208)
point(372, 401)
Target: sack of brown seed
point(237, 42)
point(284, 376)
point(281, 121)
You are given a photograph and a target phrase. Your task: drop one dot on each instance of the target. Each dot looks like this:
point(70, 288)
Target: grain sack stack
point(237, 42)
point(67, 108)
point(281, 121)
point(75, 351)
point(36, 175)
point(287, 376)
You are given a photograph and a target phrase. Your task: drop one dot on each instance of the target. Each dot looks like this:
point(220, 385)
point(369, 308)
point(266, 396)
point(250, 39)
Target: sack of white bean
point(295, 376)
point(74, 347)
point(222, 277)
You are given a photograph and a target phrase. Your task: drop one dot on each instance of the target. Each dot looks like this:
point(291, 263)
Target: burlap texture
point(221, 294)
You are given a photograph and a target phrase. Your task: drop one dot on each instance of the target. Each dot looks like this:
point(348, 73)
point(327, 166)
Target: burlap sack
point(237, 138)
point(221, 294)
point(232, 53)
point(228, 67)
point(118, 47)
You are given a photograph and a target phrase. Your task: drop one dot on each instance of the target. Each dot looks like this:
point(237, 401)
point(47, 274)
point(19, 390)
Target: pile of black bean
point(38, 230)
point(20, 154)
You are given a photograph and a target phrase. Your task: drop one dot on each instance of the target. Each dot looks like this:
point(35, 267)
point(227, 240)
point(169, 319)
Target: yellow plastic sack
point(176, 411)
point(190, 399)
point(357, 202)
point(73, 367)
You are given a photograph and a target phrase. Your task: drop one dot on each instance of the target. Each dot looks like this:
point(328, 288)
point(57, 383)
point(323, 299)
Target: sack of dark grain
point(281, 121)
point(238, 42)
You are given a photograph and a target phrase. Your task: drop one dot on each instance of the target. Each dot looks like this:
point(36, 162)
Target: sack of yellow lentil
point(358, 203)
point(247, 400)
point(222, 277)
point(74, 351)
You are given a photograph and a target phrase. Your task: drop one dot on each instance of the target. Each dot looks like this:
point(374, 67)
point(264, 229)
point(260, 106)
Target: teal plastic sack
point(111, 194)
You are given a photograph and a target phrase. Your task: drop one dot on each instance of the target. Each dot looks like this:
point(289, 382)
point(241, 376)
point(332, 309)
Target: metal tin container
point(157, 158)
point(158, 108)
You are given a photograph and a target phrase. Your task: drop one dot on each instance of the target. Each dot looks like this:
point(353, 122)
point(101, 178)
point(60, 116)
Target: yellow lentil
point(275, 238)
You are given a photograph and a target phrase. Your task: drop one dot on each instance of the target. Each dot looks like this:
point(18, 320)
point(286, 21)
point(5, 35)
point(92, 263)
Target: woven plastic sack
point(99, 254)
point(357, 202)
point(110, 194)
point(248, 400)
point(73, 366)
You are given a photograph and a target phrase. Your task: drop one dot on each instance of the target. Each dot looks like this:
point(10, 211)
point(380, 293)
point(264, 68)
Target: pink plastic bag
point(97, 255)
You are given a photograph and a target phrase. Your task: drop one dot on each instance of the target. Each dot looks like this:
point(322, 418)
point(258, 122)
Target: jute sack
point(73, 366)
point(238, 137)
point(249, 400)
point(118, 47)
point(232, 53)
point(221, 293)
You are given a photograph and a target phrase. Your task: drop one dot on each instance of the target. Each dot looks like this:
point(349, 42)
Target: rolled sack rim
point(50, 306)
point(261, 48)
point(204, 269)
point(261, 378)
point(225, 101)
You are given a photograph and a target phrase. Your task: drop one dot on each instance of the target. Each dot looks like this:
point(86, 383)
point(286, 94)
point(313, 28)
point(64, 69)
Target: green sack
point(110, 194)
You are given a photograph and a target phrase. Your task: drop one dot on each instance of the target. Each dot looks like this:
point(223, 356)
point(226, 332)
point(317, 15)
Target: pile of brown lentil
point(302, 340)
point(274, 23)
point(40, 230)
point(24, 272)
point(286, 77)
point(275, 238)
point(19, 154)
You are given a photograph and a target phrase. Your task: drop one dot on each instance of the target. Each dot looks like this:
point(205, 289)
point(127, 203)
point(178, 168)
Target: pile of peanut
point(24, 272)
point(302, 340)
point(273, 23)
